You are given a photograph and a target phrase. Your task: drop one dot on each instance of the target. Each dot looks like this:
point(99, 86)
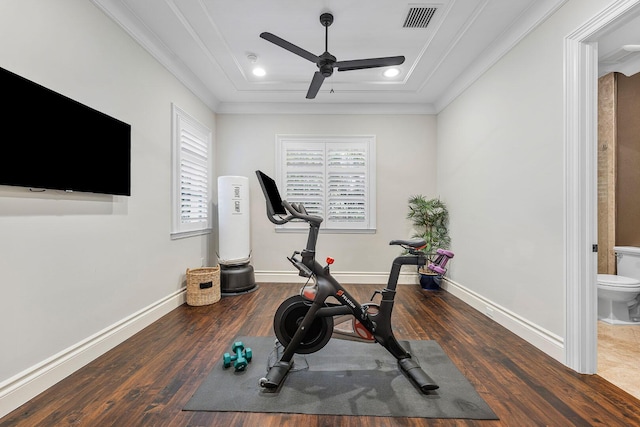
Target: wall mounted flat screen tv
point(49, 141)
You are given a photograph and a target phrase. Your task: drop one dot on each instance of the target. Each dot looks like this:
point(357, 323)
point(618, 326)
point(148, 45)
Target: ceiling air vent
point(419, 16)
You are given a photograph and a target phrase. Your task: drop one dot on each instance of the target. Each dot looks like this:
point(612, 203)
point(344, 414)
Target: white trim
point(182, 123)
point(580, 222)
point(324, 108)
point(539, 11)
point(184, 234)
point(528, 21)
point(344, 277)
point(129, 22)
point(546, 341)
point(29, 383)
point(580, 124)
point(541, 338)
point(306, 142)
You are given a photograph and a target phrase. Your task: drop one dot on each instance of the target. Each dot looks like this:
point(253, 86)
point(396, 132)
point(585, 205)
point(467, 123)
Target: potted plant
point(430, 220)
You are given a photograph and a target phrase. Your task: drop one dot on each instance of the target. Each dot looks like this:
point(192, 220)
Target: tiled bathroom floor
point(619, 356)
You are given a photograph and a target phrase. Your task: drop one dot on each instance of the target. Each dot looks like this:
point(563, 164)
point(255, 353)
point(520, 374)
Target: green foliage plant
point(430, 220)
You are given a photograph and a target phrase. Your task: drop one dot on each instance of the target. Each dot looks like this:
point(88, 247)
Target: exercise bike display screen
point(270, 190)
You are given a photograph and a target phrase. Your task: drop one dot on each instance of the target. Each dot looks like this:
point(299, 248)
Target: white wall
point(406, 165)
point(72, 265)
point(501, 169)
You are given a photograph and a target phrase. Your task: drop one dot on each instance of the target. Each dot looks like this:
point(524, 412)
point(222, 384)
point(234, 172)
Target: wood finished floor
point(148, 379)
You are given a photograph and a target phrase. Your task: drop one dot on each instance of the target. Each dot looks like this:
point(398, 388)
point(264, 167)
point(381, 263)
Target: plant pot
point(430, 282)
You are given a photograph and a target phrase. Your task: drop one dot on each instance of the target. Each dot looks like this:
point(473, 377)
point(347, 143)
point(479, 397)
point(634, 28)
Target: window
point(334, 177)
point(191, 176)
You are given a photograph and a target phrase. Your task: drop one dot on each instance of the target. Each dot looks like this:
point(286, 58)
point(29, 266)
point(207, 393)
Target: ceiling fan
point(327, 62)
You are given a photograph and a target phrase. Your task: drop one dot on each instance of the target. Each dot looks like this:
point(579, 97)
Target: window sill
point(184, 234)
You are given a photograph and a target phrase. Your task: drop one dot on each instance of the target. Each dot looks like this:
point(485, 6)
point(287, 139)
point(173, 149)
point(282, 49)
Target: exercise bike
point(304, 323)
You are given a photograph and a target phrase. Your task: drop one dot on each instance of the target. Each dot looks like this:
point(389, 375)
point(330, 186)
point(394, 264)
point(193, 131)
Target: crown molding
point(130, 23)
point(322, 108)
point(529, 20)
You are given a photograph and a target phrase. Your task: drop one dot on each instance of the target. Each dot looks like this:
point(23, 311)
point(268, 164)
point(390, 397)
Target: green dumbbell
point(241, 358)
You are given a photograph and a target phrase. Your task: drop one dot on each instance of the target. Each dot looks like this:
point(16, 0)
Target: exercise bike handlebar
point(298, 211)
point(275, 205)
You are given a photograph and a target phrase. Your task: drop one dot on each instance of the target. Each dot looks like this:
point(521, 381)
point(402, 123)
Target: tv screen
point(49, 141)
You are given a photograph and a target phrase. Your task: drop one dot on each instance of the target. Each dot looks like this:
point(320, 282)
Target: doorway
point(618, 179)
point(581, 74)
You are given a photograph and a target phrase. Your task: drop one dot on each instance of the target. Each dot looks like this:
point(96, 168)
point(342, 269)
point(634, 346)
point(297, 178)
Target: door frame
point(581, 220)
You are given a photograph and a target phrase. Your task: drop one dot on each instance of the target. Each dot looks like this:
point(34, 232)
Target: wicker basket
point(203, 285)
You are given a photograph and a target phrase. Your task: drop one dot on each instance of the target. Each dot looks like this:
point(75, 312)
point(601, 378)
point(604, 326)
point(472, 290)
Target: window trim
point(181, 120)
point(370, 140)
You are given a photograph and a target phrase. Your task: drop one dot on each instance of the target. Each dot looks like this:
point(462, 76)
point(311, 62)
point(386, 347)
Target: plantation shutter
point(347, 185)
point(304, 176)
point(194, 178)
point(331, 177)
point(191, 144)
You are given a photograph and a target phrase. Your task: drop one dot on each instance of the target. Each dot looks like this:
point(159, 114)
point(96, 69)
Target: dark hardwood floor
point(148, 379)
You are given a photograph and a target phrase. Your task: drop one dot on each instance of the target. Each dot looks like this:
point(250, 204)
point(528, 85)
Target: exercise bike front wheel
point(288, 318)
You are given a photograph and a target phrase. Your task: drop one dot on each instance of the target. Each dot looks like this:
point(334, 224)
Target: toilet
point(619, 295)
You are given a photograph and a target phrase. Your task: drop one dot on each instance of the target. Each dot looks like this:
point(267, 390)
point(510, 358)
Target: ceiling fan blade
point(360, 64)
point(314, 87)
point(290, 47)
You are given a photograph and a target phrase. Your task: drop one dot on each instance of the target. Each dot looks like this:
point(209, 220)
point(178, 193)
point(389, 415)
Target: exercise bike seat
point(412, 243)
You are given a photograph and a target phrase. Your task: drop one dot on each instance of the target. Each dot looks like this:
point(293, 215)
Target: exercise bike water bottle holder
point(303, 270)
point(304, 323)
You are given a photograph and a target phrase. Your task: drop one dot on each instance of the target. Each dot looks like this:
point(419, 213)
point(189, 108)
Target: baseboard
point(27, 384)
point(24, 386)
point(345, 277)
point(550, 343)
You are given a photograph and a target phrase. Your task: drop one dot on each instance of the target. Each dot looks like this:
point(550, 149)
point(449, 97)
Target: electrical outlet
point(201, 262)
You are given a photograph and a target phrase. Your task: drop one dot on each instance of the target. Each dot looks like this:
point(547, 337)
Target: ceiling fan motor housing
point(326, 19)
point(326, 64)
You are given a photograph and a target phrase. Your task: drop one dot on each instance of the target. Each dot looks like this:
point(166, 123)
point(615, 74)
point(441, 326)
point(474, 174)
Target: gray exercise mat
point(344, 378)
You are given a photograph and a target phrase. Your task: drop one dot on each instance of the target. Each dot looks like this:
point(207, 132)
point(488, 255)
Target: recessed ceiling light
point(631, 47)
point(391, 72)
point(257, 71)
